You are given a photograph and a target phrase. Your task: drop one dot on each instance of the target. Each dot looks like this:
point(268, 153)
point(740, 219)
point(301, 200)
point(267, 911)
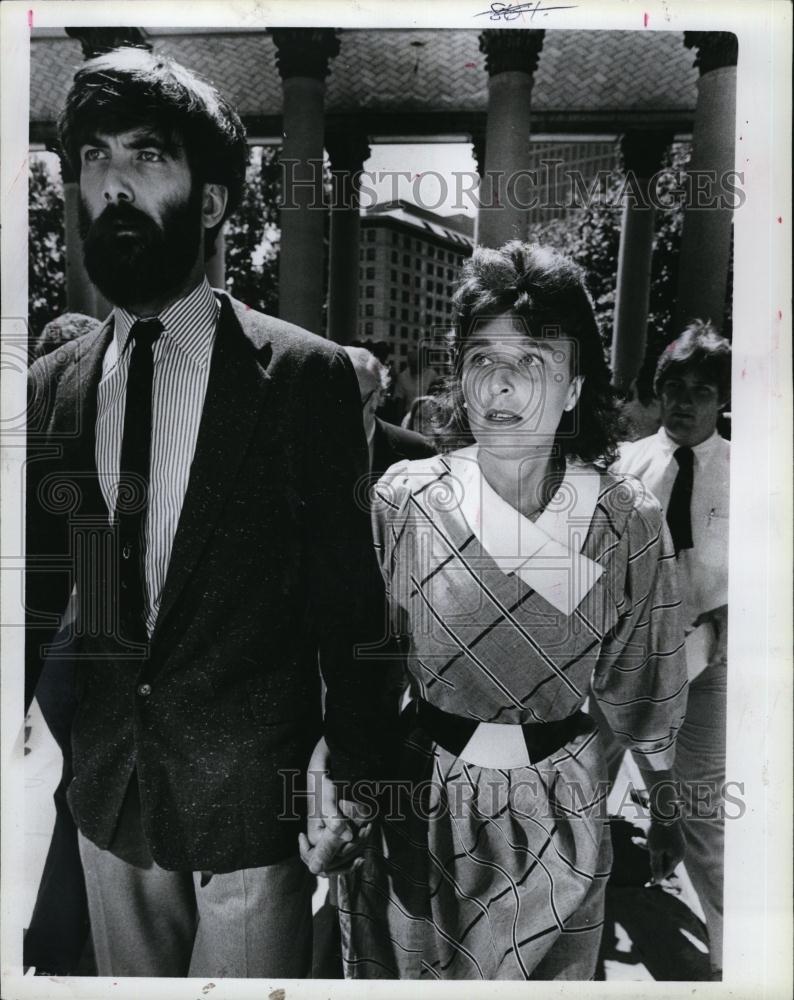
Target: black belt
point(453, 732)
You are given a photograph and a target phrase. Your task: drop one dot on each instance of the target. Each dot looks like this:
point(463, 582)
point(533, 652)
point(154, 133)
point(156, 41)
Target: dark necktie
point(133, 494)
point(679, 515)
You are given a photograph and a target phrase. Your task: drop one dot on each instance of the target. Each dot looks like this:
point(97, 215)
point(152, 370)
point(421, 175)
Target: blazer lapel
point(74, 418)
point(235, 393)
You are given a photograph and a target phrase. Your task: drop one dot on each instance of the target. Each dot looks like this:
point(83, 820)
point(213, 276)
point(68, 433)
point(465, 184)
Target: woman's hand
point(667, 849)
point(335, 831)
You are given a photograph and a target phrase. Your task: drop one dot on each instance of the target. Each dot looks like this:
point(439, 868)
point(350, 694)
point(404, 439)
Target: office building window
point(406, 260)
point(393, 276)
point(368, 329)
point(394, 256)
point(405, 297)
point(392, 312)
point(392, 293)
point(394, 239)
point(370, 236)
point(369, 292)
point(369, 309)
point(370, 274)
point(371, 253)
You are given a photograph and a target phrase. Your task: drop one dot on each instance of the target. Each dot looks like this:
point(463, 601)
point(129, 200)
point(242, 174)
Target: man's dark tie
point(133, 495)
point(679, 514)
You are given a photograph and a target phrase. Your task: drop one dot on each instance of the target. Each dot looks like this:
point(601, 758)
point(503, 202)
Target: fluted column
point(706, 237)
point(511, 57)
point(302, 57)
point(347, 151)
point(642, 155)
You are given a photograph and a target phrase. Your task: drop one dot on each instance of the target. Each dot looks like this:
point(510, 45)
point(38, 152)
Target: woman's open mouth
point(502, 417)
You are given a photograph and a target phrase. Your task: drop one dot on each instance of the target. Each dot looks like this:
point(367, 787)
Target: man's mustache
point(117, 217)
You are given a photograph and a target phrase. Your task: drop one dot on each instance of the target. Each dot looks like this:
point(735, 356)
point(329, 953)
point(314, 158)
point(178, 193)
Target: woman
point(517, 571)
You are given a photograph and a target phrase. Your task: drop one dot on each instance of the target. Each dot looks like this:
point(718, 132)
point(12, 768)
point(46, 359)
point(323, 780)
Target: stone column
point(706, 238)
point(642, 155)
point(215, 267)
point(511, 57)
point(347, 151)
point(302, 56)
point(81, 296)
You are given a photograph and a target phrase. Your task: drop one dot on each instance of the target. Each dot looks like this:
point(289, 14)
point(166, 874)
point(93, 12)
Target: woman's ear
point(213, 204)
point(574, 392)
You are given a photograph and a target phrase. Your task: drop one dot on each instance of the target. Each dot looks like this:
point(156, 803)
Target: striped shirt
point(181, 355)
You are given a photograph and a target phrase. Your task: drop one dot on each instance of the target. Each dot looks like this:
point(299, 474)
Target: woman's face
point(516, 388)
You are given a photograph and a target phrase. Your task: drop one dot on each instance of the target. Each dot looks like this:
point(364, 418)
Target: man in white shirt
point(686, 464)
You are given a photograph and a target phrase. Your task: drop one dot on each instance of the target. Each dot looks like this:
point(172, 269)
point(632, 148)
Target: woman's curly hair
point(547, 291)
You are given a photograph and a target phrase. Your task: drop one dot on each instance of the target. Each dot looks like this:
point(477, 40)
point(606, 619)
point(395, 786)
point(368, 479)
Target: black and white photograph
point(395, 400)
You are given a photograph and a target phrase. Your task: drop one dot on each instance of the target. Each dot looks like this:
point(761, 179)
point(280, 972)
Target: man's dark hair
point(547, 291)
point(129, 88)
point(700, 347)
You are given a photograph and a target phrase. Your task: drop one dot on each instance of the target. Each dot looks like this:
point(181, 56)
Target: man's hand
point(335, 835)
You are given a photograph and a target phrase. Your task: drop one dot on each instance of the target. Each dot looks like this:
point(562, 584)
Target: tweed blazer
point(271, 569)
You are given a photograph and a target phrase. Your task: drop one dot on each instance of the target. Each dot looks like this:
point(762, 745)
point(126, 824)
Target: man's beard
point(131, 259)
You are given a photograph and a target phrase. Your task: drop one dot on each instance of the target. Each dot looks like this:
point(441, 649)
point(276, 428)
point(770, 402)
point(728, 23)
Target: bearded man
point(192, 470)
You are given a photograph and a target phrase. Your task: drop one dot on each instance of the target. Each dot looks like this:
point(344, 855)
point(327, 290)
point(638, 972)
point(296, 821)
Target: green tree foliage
point(46, 248)
point(253, 235)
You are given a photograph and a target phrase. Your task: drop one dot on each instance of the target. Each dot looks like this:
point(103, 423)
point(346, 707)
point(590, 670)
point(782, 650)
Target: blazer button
point(144, 690)
point(127, 551)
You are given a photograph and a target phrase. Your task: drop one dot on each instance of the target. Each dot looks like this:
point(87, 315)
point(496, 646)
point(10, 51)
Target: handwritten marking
point(780, 219)
point(645, 20)
point(277, 995)
point(510, 12)
point(208, 987)
point(30, 18)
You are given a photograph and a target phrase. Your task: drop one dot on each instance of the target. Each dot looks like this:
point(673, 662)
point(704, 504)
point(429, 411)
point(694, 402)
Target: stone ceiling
point(412, 83)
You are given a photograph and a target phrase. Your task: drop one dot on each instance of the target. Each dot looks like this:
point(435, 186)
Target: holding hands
point(336, 830)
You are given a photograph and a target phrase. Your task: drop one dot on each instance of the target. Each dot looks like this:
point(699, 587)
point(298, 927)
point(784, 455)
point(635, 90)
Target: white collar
point(702, 451)
point(545, 554)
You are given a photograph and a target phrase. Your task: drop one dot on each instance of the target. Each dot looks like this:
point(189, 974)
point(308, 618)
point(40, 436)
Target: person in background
point(686, 466)
point(413, 380)
point(387, 444)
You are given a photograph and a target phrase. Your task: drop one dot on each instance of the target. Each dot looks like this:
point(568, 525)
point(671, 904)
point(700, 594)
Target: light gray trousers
point(145, 921)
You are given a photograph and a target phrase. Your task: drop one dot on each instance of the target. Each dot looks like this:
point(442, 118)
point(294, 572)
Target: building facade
point(409, 261)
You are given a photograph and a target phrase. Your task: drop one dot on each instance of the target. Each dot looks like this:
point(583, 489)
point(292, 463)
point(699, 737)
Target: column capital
point(643, 150)
point(97, 41)
point(715, 49)
point(305, 51)
point(347, 149)
point(508, 49)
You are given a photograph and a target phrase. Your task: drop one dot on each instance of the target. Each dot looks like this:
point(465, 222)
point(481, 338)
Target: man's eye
point(530, 361)
point(480, 361)
point(150, 156)
point(90, 155)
